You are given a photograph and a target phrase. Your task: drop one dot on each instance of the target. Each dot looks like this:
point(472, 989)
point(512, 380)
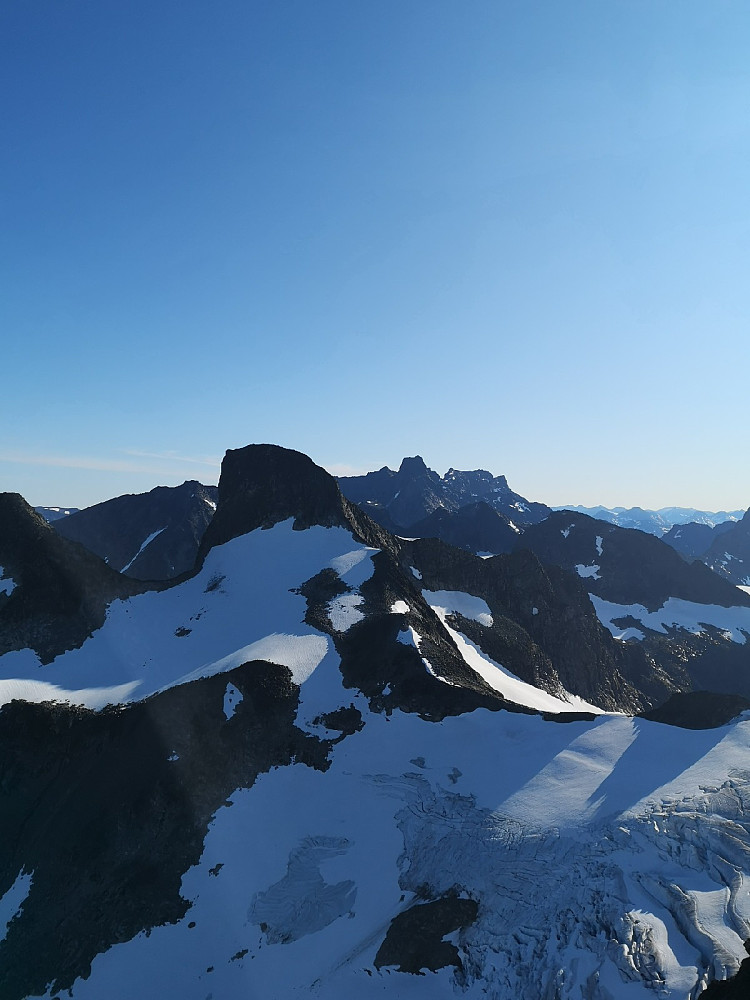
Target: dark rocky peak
point(59, 592)
point(400, 499)
point(413, 467)
point(263, 484)
point(479, 478)
point(462, 488)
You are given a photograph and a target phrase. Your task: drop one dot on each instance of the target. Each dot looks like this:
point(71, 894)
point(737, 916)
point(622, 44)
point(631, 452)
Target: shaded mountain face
point(399, 500)
point(147, 536)
point(693, 626)
point(625, 566)
point(53, 592)
point(327, 748)
point(729, 554)
point(475, 527)
point(692, 539)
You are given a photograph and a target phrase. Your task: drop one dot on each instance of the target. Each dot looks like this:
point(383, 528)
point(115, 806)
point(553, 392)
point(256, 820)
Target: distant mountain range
point(55, 513)
point(399, 500)
point(656, 522)
point(401, 734)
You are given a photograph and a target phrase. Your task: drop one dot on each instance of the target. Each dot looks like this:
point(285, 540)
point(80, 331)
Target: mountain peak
point(413, 466)
point(263, 484)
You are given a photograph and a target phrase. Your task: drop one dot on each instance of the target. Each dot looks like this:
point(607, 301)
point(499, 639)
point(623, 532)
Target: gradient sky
point(507, 235)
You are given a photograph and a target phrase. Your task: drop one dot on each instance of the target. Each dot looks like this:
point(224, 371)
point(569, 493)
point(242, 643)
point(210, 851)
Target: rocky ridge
point(148, 536)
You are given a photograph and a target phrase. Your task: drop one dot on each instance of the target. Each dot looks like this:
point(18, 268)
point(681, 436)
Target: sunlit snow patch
point(20, 689)
point(447, 602)
point(12, 901)
point(512, 687)
point(232, 698)
point(588, 571)
point(409, 637)
point(399, 608)
point(343, 611)
point(301, 653)
point(356, 565)
point(675, 613)
point(7, 586)
point(145, 543)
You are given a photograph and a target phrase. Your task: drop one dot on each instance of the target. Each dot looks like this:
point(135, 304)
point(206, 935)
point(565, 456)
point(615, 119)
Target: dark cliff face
point(117, 529)
point(62, 590)
point(263, 484)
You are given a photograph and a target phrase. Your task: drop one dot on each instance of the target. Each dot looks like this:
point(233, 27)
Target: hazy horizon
point(142, 480)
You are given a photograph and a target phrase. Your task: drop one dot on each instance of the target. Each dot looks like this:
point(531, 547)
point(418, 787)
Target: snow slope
point(448, 602)
point(229, 613)
point(609, 858)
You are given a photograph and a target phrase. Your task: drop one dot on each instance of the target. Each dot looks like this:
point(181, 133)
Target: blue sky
point(508, 235)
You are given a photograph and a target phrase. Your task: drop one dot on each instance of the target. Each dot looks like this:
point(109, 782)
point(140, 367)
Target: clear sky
point(507, 235)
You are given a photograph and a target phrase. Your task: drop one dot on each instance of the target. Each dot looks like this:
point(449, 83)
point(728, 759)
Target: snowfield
point(610, 860)
point(674, 613)
point(210, 623)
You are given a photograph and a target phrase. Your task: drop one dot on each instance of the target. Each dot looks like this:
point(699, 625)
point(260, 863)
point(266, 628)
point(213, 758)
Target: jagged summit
point(413, 466)
point(400, 500)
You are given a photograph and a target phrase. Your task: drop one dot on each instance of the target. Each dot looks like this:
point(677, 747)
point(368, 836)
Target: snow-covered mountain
point(149, 536)
point(331, 762)
point(656, 522)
